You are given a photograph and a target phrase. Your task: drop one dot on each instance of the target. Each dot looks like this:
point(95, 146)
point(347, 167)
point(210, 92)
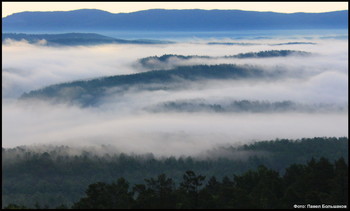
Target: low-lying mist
point(161, 134)
point(125, 120)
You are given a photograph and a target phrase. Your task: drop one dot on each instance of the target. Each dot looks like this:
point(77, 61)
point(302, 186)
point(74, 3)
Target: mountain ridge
point(173, 20)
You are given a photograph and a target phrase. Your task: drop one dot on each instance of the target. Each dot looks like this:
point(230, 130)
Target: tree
point(264, 186)
point(158, 193)
point(189, 188)
point(294, 181)
point(15, 207)
point(340, 183)
point(103, 196)
point(208, 196)
point(317, 181)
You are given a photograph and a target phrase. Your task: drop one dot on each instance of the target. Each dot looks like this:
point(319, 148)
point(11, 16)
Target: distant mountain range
point(172, 20)
point(75, 39)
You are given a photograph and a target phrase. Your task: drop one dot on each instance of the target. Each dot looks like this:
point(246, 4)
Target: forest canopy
point(55, 175)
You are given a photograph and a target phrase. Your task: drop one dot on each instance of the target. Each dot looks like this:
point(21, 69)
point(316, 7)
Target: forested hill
point(173, 20)
point(74, 39)
point(87, 92)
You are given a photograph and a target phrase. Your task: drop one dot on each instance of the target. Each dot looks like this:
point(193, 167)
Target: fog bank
point(123, 120)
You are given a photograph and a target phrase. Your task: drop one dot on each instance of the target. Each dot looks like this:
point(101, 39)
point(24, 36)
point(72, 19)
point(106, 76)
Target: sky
point(9, 8)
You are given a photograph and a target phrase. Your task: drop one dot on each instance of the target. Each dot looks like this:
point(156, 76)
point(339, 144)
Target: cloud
point(122, 121)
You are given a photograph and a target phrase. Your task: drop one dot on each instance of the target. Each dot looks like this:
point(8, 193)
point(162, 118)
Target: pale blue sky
point(9, 8)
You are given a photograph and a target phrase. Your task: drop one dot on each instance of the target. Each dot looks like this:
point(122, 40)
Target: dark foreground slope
point(320, 183)
point(59, 175)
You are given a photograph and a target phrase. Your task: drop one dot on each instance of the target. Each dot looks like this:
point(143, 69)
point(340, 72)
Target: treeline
point(247, 44)
point(271, 53)
point(59, 175)
point(253, 106)
point(232, 43)
point(162, 61)
point(319, 182)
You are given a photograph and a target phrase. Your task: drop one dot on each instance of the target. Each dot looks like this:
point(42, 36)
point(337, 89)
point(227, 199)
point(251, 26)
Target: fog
point(26, 67)
point(123, 120)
